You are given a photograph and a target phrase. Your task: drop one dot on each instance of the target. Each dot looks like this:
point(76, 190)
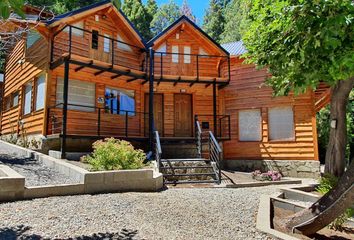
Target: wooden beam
point(99, 72)
point(175, 83)
point(116, 76)
point(132, 79)
point(207, 85)
point(83, 66)
point(145, 81)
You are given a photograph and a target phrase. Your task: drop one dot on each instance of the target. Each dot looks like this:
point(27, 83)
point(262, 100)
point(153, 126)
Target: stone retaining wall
point(288, 168)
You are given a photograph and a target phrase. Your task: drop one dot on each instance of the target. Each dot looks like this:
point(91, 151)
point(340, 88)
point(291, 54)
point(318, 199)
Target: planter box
point(12, 184)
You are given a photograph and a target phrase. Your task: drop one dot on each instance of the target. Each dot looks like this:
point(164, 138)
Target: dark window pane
point(94, 39)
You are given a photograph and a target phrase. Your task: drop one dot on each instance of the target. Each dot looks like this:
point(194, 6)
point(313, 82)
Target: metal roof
point(235, 48)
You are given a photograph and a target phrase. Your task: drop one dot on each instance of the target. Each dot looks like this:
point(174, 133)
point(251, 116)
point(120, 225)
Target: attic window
point(122, 45)
point(76, 30)
point(202, 52)
point(94, 40)
point(32, 38)
point(161, 49)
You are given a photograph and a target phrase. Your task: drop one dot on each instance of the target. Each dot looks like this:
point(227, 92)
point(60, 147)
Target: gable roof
point(195, 26)
point(98, 6)
point(235, 48)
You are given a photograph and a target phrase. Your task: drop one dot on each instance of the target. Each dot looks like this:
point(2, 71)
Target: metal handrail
point(158, 150)
point(215, 155)
point(219, 120)
point(199, 138)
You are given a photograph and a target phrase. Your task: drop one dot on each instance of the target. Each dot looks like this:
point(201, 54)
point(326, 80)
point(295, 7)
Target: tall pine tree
point(187, 11)
point(138, 15)
point(214, 20)
point(166, 14)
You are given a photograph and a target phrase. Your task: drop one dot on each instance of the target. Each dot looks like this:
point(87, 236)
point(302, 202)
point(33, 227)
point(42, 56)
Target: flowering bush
point(113, 154)
point(268, 176)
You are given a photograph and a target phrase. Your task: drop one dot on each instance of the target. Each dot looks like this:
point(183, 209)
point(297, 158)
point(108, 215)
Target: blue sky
point(198, 7)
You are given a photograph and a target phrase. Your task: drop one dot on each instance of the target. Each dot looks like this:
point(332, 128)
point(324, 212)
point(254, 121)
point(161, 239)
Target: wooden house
point(88, 74)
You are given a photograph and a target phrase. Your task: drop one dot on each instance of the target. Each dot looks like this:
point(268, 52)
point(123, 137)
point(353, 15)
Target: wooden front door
point(183, 115)
point(158, 113)
point(101, 45)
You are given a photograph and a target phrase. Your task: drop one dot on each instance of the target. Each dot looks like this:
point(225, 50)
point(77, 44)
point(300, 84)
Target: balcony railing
point(72, 40)
point(192, 66)
point(221, 128)
point(94, 121)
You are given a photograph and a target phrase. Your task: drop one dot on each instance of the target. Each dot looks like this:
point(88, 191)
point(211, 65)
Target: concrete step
point(188, 174)
point(190, 181)
point(186, 160)
point(187, 167)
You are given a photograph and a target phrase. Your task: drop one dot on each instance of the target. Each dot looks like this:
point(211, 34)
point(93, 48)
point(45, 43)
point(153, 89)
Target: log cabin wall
point(246, 91)
point(23, 66)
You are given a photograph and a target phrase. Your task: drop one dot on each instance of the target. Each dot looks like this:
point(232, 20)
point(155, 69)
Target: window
point(250, 125)
point(119, 101)
point(32, 38)
point(175, 54)
point(94, 39)
point(7, 103)
point(107, 43)
point(40, 92)
point(81, 95)
point(121, 45)
point(76, 31)
point(187, 56)
point(27, 99)
point(202, 51)
point(281, 123)
point(15, 99)
point(161, 49)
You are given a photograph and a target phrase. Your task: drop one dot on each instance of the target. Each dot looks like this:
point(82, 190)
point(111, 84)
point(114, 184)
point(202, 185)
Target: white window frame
point(27, 98)
point(107, 43)
point(250, 131)
point(175, 56)
point(281, 123)
point(40, 92)
point(187, 56)
point(15, 95)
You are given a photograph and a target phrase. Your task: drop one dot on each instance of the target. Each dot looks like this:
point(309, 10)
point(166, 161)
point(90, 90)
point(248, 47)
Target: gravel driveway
point(34, 171)
point(178, 213)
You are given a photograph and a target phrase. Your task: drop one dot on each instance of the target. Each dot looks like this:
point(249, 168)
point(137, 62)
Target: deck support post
point(65, 108)
point(151, 99)
point(215, 110)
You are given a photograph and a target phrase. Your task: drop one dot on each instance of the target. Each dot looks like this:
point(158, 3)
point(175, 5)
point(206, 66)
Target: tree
point(304, 42)
point(7, 6)
point(302, 45)
point(234, 14)
point(137, 14)
point(214, 20)
point(165, 16)
point(187, 11)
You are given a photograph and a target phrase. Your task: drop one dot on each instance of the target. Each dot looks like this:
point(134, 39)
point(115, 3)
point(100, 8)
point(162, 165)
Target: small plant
point(268, 176)
point(327, 182)
point(113, 154)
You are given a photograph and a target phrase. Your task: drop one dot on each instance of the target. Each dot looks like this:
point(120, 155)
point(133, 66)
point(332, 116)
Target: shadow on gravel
point(19, 233)
point(8, 160)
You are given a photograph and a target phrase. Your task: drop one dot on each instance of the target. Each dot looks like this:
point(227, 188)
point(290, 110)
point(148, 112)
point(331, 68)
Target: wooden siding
point(22, 67)
point(246, 91)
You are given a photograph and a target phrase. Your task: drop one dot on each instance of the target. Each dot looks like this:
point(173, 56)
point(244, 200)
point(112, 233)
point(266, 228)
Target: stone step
point(187, 167)
point(186, 160)
point(190, 181)
point(188, 174)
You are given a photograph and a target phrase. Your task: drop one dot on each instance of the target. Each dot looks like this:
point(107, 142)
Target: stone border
point(264, 183)
point(148, 180)
point(12, 184)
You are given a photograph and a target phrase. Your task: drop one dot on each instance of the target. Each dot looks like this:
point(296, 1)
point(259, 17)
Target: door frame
point(146, 127)
point(174, 113)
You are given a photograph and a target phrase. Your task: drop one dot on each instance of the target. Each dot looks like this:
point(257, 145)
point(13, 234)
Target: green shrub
point(327, 182)
point(113, 154)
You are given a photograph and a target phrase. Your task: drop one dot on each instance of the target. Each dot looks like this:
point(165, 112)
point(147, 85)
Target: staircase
point(201, 167)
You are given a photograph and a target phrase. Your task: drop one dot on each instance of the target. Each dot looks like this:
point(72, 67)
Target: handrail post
point(112, 40)
point(70, 40)
point(198, 67)
point(65, 108)
point(161, 66)
point(99, 122)
point(126, 123)
point(151, 98)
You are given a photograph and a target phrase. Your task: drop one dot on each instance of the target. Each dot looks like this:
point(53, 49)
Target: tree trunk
point(335, 155)
point(326, 209)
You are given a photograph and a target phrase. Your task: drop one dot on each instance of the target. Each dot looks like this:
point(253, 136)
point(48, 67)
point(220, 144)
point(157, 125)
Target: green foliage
point(62, 6)
point(234, 13)
point(113, 154)
point(7, 6)
point(301, 42)
point(323, 129)
point(187, 11)
point(328, 182)
point(165, 16)
point(214, 21)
